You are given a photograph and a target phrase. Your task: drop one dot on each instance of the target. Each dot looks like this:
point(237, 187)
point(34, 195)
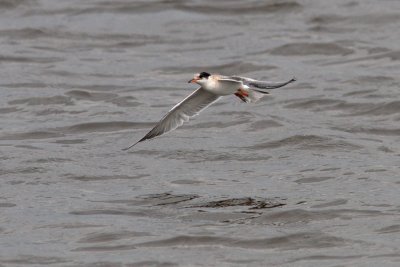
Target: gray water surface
point(309, 176)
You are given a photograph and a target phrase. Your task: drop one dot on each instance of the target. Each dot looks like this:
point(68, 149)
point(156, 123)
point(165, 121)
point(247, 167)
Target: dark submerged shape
point(204, 75)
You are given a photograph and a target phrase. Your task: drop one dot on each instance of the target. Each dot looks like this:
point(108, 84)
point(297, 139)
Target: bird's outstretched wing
point(182, 112)
point(230, 81)
point(261, 84)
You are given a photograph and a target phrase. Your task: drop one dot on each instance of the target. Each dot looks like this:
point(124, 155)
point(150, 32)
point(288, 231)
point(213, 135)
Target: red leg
point(242, 97)
point(243, 92)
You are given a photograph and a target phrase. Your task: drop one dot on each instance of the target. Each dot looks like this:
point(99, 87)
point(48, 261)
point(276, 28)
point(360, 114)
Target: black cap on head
point(204, 75)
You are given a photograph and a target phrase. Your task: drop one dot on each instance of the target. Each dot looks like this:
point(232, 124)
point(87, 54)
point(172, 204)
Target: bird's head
point(200, 78)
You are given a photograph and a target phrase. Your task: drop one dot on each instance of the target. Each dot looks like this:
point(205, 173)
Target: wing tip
point(129, 147)
point(134, 144)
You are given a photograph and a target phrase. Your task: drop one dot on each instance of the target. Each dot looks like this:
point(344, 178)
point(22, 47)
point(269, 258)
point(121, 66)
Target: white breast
point(221, 87)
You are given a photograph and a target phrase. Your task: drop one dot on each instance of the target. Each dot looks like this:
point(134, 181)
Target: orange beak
point(194, 80)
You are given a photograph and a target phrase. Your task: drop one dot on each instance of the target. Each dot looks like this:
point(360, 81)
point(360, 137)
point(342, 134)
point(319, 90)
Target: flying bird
point(212, 87)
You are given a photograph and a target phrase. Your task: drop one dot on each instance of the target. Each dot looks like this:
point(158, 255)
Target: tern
point(212, 87)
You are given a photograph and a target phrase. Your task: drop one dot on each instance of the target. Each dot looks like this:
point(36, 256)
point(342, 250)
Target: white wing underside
point(181, 113)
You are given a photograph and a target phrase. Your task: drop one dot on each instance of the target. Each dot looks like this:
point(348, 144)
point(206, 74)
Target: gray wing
point(261, 84)
point(227, 84)
point(182, 112)
point(230, 80)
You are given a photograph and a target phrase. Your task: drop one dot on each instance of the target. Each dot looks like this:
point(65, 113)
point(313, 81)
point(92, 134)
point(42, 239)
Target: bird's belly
point(222, 89)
